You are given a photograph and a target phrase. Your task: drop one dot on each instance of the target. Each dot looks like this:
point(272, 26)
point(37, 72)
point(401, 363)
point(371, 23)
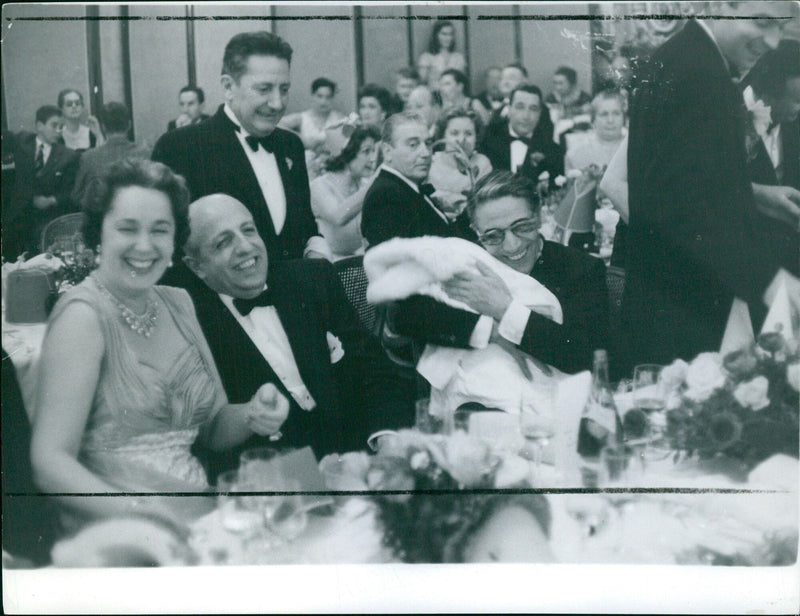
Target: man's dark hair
point(544, 129)
point(773, 69)
point(323, 82)
point(247, 44)
point(350, 151)
point(46, 112)
point(379, 93)
point(201, 96)
point(115, 118)
point(407, 72)
point(459, 77)
point(569, 73)
point(499, 184)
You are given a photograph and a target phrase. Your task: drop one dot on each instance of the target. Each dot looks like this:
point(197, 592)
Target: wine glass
point(236, 510)
point(537, 430)
point(261, 469)
point(288, 517)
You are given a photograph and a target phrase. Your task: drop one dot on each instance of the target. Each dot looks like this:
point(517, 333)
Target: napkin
point(301, 465)
point(781, 317)
point(738, 330)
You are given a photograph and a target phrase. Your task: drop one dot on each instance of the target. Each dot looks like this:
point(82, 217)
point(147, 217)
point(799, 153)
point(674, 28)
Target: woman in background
point(337, 197)
point(441, 55)
point(81, 131)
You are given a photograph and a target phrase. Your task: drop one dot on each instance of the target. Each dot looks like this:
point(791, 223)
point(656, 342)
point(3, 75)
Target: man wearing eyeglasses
point(504, 213)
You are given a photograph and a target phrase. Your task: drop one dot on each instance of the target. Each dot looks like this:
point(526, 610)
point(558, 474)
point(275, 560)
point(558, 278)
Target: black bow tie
point(523, 140)
point(245, 306)
point(426, 189)
point(268, 142)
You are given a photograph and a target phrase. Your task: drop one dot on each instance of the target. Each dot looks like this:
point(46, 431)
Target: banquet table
point(23, 343)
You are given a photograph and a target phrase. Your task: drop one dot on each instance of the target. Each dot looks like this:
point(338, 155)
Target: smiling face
point(446, 37)
point(72, 106)
point(461, 131)
point(561, 85)
point(518, 252)
point(366, 159)
point(510, 78)
point(137, 240)
point(524, 112)
point(451, 90)
point(190, 105)
point(224, 248)
point(259, 97)
point(421, 102)
point(370, 111)
point(409, 153)
point(741, 40)
point(608, 119)
point(404, 87)
point(321, 100)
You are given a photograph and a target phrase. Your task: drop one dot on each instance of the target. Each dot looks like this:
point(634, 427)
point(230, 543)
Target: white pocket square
point(289, 163)
point(335, 347)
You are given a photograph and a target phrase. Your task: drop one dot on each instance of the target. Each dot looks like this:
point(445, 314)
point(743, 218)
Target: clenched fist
point(267, 410)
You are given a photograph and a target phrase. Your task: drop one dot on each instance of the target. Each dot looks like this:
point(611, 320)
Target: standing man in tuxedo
point(294, 328)
point(44, 175)
point(523, 143)
point(190, 100)
point(694, 241)
point(399, 202)
point(241, 152)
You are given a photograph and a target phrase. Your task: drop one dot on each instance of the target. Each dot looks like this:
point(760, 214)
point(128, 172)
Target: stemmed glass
point(537, 430)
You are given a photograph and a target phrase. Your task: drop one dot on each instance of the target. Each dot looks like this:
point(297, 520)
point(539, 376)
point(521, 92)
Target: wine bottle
point(600, 423)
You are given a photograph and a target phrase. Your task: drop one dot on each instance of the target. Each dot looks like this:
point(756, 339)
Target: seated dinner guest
point(337, 197)
point(427, 104)
point(191, 100)
point(455, 170)
point(567, 99)
point(405, 80)
point(374, 104)
point(127, 381)
point(504, 212)
point(294, 329)
point(608, 121)
point(81, 131)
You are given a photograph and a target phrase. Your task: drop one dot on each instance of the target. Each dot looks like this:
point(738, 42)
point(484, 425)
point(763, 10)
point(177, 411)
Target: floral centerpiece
point(433, 491)
point(78, 260)
point(744, 405)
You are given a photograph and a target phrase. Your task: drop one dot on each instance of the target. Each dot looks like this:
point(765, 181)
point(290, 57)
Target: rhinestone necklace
point(143, 324)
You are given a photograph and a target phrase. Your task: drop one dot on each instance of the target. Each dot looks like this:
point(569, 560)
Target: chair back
point(615, 282)
point(63, 233)
point(354, 281)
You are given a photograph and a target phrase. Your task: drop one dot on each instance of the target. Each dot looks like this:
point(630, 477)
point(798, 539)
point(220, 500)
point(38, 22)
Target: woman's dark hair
point(379, 93)
point(440, 25)
point(459, 78)
point(350, 151)
point(323, 82)
point(437, 527)
point(544, 128)
point(142, 173)
point(63, 94)
point(459, 112)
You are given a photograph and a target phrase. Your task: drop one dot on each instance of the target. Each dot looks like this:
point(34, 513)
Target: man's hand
point(779, 202)
point(40, 202)
point(267, 410)
point(182, 120)
point(485, 292)
point(94, 125)
point(520, 356)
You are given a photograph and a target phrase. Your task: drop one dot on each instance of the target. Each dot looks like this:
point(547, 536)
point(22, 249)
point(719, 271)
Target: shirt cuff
point(512, 325)
point(482, 332)
point(317, 243)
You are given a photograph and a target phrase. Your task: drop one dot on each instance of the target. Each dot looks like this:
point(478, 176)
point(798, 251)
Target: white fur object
point(403, 267)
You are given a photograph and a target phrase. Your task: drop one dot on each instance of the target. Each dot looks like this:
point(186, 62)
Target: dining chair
point(354, 281)
point(64, 230)
point(615, 282)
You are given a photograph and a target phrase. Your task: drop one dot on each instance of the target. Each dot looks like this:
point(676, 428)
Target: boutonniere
point(289, 163)
point(536, 158)
point(760, 114)
point(335, 347)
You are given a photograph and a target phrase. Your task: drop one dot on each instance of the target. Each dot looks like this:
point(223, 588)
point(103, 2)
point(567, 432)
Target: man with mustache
point(241, 152)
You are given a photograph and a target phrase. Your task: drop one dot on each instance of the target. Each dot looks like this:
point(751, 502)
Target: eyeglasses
point(77, 103)
point(527, 228)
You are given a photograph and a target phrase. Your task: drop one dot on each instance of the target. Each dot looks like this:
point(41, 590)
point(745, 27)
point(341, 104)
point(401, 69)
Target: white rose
point(753, 394)
point(560, 180)
point(672, 377)
point(704, 376)
point(793, 375)
point(574, 173)
point(468, 458)
point(544, 175)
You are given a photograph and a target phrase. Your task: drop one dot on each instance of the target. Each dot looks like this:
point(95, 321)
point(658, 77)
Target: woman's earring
point(170, 264)
point(97, 253)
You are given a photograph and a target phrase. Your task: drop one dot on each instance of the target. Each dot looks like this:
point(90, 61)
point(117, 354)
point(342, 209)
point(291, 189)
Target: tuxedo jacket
point(393, 209)
point(203, 116)
point(355, 396)
point(694, 237)
point(496, 145)
point(22, 222)
point(575, 278)
point(781, 237)
point(211, 158)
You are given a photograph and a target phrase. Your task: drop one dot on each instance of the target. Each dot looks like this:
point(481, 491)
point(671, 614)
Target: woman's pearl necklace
point(143, 324)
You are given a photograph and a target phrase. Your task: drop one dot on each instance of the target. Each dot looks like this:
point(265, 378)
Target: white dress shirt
point(415, 188)
point(772, 141)
point(267, 173)
point(46, 149)
point(264, 328)
point(518, 150)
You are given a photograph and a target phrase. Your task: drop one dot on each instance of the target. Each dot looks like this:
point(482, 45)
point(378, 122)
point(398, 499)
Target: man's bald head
point(224, 248)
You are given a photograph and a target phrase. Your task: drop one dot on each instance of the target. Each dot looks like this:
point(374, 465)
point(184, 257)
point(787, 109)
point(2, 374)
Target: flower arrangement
point(744, 405)
point(434, 491)
point(78, 263)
